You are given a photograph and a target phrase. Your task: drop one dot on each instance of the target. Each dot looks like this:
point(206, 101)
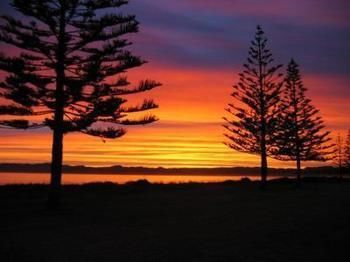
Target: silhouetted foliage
point(256, 98)
point(301, 137)
point(71, 70)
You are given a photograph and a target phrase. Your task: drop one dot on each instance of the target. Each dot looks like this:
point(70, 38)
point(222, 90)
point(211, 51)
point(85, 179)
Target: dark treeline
point(117, 169)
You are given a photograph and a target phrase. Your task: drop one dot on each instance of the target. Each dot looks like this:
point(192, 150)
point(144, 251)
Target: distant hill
point(117, 169)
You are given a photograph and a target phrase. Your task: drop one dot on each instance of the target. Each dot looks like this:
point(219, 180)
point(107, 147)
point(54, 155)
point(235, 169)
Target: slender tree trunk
point(296, 134)
point(54, 198)
point(298, 171)
point(263, 166)
point(340, 169)
point(56, 170)
point(57, 147)
point(263, 169)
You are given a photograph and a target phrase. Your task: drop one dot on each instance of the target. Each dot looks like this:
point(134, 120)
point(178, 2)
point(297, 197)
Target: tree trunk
point(54, 198)
point(298, 171)
point(263, 166)
point(340, 170)
point(57, 148)
point(263, 169)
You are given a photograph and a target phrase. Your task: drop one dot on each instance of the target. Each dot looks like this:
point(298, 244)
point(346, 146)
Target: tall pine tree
point(70, 70)
point(301, 135)
point(256, 96)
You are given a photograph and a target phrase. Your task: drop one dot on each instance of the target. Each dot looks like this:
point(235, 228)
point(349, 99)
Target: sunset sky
point(196, 48)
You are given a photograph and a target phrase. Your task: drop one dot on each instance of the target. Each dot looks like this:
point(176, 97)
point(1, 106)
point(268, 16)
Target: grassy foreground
point(231, 221)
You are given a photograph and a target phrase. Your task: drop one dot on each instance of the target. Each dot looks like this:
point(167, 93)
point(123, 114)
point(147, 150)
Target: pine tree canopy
point(81, 46)
point(256, 97)
point(301, 136)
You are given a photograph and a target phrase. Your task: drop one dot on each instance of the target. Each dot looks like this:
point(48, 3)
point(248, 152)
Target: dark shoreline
point(313, 180)
point(120, 170)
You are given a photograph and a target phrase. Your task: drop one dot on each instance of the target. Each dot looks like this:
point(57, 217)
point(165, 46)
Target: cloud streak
point(204, 34)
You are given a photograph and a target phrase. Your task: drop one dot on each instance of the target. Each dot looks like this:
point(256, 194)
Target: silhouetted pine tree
point(301, 137)
point(71, 71)
point(256, 98)
point(347, 150)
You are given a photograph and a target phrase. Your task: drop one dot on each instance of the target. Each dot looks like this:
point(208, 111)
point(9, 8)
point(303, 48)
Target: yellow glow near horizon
point(189, 133)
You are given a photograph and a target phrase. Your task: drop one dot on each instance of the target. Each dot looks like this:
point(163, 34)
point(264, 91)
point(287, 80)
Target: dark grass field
point(231, 221)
